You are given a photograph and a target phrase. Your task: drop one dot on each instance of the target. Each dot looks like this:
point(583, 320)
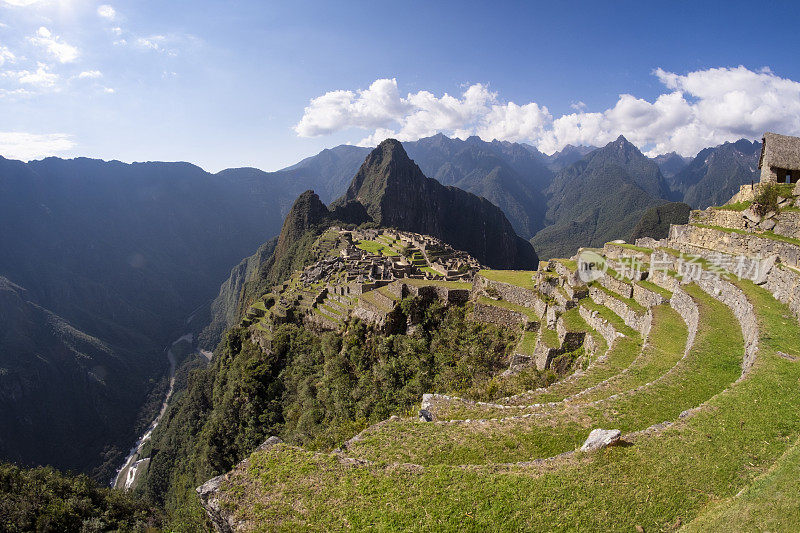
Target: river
point(126, 475)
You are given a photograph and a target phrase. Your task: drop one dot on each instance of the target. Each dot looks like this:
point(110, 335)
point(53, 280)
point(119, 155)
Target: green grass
point(550, 338)
point(438, 283)
point(431, 271)
point(527, 311)
point(527, 343)
point(665, 347)
point(377, 248)
point(676, 474)
point(634, 248)
point(738, 206)
point(649, 285)
point(573, 321)
point(609, 316)
point(630, 302)
point(370, 298)
point(520, 278)
point(571, 265)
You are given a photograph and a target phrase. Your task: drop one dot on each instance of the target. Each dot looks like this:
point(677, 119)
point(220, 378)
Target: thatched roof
point(780, 151)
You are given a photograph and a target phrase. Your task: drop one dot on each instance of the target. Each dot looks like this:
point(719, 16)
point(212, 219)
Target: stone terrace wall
point(735, 299)
point(605, 328)
point(735, 243)
point(646, 297)
point(510, 293)
point(622, 288)
point(787, 222)
point(639, 322)
point(498, 315)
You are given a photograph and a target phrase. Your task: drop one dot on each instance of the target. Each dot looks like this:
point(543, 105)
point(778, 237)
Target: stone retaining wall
point(646, 297)
point(510, 293)
point(750, 245)
point(605, 328)
point(734, 298)
point(639, 322)
point(498, 315)
point(622, 288)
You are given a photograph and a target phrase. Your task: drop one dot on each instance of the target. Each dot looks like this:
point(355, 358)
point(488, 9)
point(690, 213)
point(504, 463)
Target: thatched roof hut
point(780, 158)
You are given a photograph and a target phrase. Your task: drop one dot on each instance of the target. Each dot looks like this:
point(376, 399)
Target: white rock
point(797, 189)
point(600, 438)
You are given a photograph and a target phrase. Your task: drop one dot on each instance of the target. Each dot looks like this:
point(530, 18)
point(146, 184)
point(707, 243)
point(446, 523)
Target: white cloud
point(27, 146)
point(90, 74)
point(107, 12)
point(108, 90)
point(698, 109)
point(41, 77)
point(63, 52)
point(6, 56)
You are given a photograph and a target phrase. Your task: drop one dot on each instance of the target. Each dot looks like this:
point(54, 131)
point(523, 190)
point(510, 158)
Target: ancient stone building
point(780, 159)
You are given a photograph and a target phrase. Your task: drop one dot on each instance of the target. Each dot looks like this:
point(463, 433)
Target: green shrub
point(766, 200)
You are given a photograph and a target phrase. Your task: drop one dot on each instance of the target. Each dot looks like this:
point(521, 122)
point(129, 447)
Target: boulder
point(600, 438)
point(750, 215)
point(796, 191)
point(770, 214)
point(767, 224)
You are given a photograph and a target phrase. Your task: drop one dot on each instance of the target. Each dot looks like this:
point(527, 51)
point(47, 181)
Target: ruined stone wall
point(787, 223)
point(784, 284)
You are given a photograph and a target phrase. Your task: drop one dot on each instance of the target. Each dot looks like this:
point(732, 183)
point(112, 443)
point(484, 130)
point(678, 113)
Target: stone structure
point(780, 159)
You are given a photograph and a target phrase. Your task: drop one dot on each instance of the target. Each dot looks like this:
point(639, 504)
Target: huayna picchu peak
point(395, 193)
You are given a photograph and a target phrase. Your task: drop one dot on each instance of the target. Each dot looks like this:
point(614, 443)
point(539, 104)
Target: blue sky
point(264, 84)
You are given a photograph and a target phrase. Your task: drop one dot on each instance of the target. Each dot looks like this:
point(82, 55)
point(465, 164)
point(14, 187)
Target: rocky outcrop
point(600, 438)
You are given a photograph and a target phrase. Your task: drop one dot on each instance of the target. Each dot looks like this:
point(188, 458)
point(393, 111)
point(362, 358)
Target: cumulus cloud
point(107, 12)
point(697, 109)
point(27, 146)
point(63, 52)
point(41, 77)
point(19, 3)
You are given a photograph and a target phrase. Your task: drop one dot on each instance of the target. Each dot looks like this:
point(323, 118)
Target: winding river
point(126, 475)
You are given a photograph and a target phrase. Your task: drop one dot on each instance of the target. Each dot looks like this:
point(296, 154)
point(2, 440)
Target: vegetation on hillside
point(312, 390)
point(44, 500)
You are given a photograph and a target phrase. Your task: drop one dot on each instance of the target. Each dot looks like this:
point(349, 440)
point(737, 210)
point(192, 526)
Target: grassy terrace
point(438, 283)
point(697, 465)
point(527, 343)
point(375, 247)
point(431, 271)
point(713, 364)
point(573, 321)
point(649, 285)
point(571, 265)
point(738, 206)
point(630, 302)
point(664, 348)
point(369, 297)
point(634, 248)
point(520, 278)
point(550, 338)
point(527, 311)
point(609, 316)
